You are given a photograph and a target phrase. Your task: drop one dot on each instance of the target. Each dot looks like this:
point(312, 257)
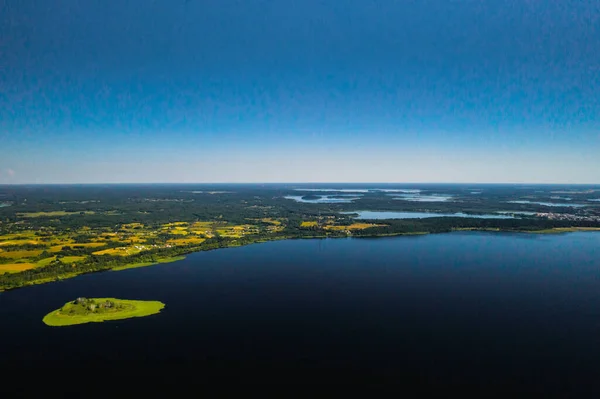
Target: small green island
point(94, 310)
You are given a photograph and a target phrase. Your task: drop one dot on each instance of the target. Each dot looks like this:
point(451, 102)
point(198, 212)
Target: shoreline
point(183, 255)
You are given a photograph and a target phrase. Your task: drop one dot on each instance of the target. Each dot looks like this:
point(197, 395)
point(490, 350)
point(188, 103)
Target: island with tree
point(90, 310)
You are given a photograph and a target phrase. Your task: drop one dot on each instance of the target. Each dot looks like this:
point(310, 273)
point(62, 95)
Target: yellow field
point(130, 237)
point(175, 224)
point(50, 214)
point(179, 231)
point(56, 248)
point(86, 244)
point(122, 251)
point(18, 236)
point(186, 241)
point(237, 231)
point(65, 259)
point(45, 262)
point(308, 224)
point(243, 227)
point(228, 233)
point(354, 226)
point(72, 259)
point(15, 267)
point(21, 254)
point(18, 242)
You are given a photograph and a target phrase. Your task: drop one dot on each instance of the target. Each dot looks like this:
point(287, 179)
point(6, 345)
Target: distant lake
point(420, 215)
point(508, 312)
point(595, 200)
point(324, 199)
point(331, 190)
point(4, 204)
point(548, 203)
point(361, 190)
point(423, 198)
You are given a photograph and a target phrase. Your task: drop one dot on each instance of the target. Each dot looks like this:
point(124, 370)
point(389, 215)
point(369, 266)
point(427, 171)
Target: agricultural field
point(353, 226)
point(15, 267)
point(121, 251)
point(30, 249)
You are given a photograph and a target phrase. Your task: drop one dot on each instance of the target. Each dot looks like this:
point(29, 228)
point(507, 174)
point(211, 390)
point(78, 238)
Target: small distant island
point(93, 310)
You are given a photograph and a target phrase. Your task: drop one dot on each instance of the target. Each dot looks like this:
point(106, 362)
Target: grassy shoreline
point(144, 264)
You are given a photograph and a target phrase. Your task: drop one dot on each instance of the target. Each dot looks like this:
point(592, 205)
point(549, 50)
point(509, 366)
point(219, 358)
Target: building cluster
point(569, 217)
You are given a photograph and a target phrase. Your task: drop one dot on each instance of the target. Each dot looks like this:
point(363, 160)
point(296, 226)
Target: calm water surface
point(423, 198)
point(475, 310)
point(325, 199)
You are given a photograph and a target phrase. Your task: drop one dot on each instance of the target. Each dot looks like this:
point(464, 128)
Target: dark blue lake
point(514, 312)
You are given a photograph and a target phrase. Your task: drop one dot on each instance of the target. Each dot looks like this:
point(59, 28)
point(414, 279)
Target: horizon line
point(283, 182)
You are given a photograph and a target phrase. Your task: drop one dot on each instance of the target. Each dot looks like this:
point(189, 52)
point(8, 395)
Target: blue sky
point(300, 91)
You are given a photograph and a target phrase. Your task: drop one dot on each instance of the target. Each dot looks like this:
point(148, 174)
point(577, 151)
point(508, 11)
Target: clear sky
point(299, 90)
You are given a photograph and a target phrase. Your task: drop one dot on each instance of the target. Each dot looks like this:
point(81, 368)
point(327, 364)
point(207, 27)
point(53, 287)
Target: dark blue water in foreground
point(472, 311)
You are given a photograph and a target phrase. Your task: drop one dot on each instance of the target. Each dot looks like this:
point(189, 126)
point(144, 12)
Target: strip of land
point(53, 233)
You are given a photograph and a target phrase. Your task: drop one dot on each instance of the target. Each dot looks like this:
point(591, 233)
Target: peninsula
point(93, 310)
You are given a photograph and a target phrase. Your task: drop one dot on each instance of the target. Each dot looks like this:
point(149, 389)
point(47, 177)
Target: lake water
point(423, 198)
point(362, 190)
point(548, 203)
point(419, 215)
point(4, 204)
point(466, 311)
point(325, 199)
